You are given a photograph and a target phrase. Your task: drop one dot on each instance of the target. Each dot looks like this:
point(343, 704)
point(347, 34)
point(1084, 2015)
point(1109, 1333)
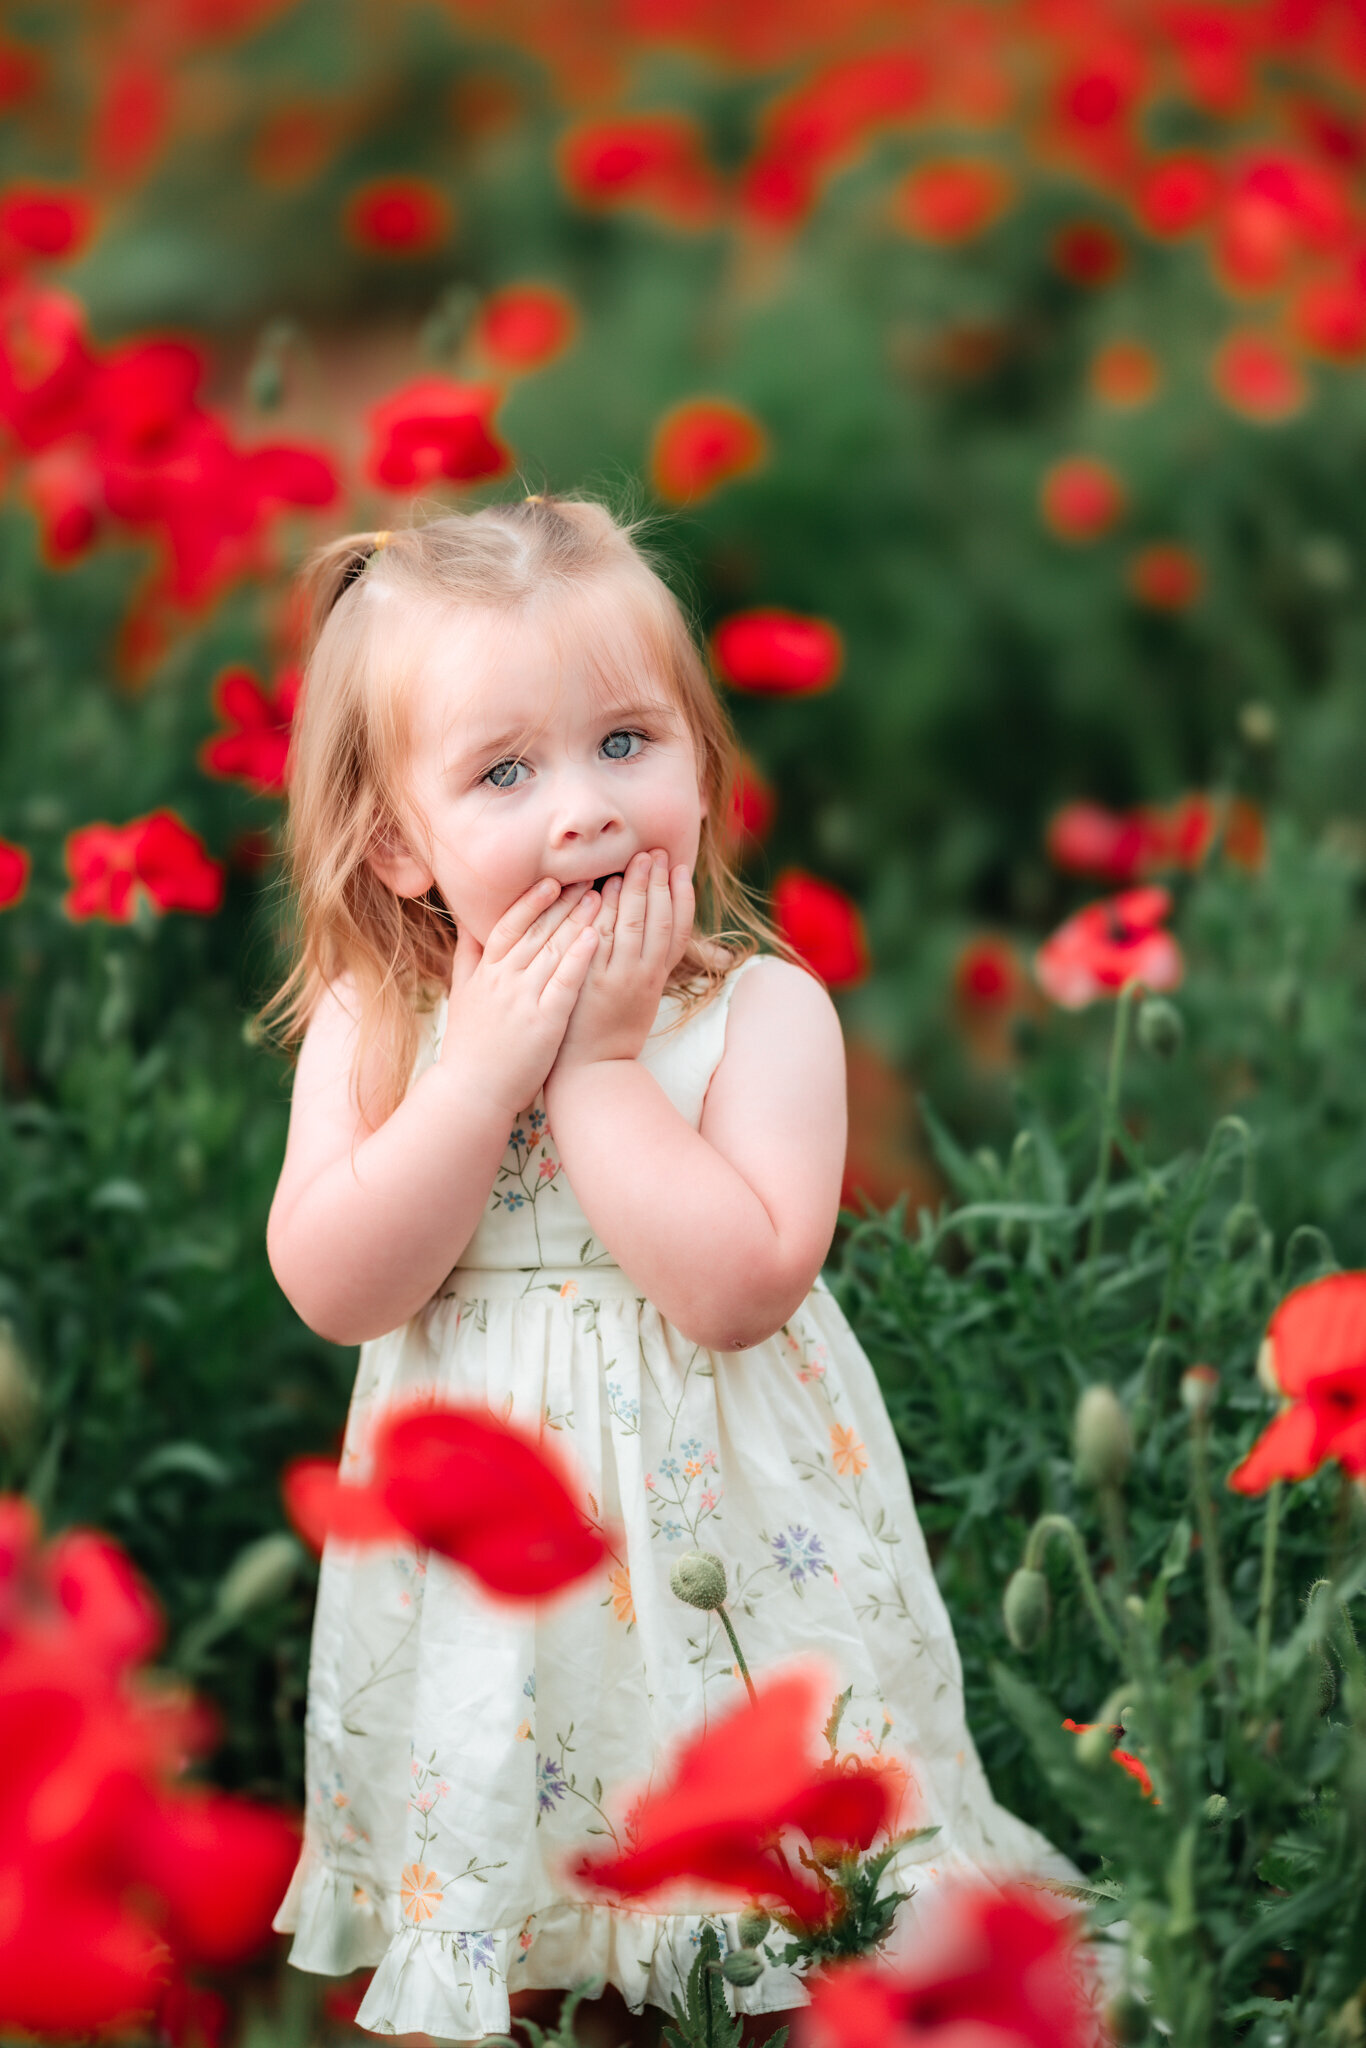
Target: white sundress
point(460, 1752)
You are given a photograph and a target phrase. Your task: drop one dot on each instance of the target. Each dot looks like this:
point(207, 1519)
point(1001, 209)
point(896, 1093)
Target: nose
point(585, 811)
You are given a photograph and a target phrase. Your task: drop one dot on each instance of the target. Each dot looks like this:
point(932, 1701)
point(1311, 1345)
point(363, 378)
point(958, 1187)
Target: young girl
point(594, 1185)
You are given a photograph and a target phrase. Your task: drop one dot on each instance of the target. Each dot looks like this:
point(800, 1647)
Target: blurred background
point(994, 372)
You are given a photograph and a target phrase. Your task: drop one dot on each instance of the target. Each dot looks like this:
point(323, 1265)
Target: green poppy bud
point(742, 1966)
point(258, 1575)
point(1094, 1745)
point(1104, 1445)
point(1257, 723)
point(752, 1925)
point(1199, 1390)
point(700, 1579)
point(1161, 1027)
point(1216, 1809)
point(1026, 1608)
point(1242, 1229)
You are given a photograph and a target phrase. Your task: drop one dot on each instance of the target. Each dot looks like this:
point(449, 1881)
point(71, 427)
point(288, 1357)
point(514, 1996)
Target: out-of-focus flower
point(731, 1792)
point(1255, 375)
point(1123, 846)
point(294, 145)
point(131, 119)
point(1177, 194)
point(14, 872)
point(997, 1968)
point(158, 855)
point(988, 976)
point(1281, 208)
point(1165, 576)
point(700, 445)
point(400, 216)
point(1106, 944)
point(1081, 498)
point(525, 326)
point(1125, 373)
point(43, 220)
point(1125, 1758)
point(952, 199)
point(1317, 1340)
point(777, 653)
point(21, 71)
point(66, 490)
point(823, 925)
point(1329, 316)
point(656, 161)
point(434, 428)
point(257, 751)
point(750, 810)
point(821, 126)
point(1089, 252)
point(456, 1480)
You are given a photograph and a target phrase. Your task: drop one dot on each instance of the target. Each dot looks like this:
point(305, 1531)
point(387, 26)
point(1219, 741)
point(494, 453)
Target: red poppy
point(1003, 1966)
point(526, 326)
point(131, 119)
point(1281, 208)
point(1177, 194)
point(294, 145)
point(1081, 498)
point(822, 125)
point(1126, 1760)
point(1165, 576)
point(1087, 839)
point(14, 871)
point(777, 653)
point(1106, 944)
point(1125, 373)
point(1213, 47)
point(1089, 253)
point(750, 811)
point(1318, 1357)
point(46, 365)
point(987, 976)
point(456, 1480)
point(700, 445)
point(1329, 316)
point(67, 492)
point(257, 751)
point(21, 71)
point(1254, 375)
point(651, 160)
point(953, 200)
point(157, 854)
point(43, 220)
point(401, 216)
point(435, 428)
point(823, 925)
point(731, 1792)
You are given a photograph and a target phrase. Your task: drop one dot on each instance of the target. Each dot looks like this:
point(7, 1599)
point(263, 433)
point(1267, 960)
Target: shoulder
point(775, 998)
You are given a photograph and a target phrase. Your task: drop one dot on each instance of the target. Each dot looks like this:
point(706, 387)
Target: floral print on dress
point(684, 1493)
point(529, 1169)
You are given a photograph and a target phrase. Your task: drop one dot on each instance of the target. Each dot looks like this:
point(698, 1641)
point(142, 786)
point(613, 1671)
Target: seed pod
point(1027, 1608)
point(1325, 1681)
point(1266, 1367)
point(1094, 1745)
point(1161, 1027)
point(1199, 1390)
point(1104, 1445)
point(1242, 1229)
point(752, 1925)
point(700, 1579)
point(258, 1575)
point(1216, 1809)
point(742, 1966)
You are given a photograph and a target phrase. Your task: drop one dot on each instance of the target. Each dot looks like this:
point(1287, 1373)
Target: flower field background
point(996, 374)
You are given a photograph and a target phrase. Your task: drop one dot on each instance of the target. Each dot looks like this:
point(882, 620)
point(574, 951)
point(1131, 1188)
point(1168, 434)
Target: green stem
point(1267, 1594)
point(739, 1653)
point(1215, 1602)
point(1108, 1119)
point(1049, 1526)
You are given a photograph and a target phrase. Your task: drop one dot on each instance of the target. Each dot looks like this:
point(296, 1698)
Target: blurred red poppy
point(651, 160)
point(158, 855)
point(14, 872)
point(1125, 373)
point(732, 1790)
point(1318, 1357)
point(777, 653)
point(43, 220)
point(822, 125)
point(1089, 253)
point(1004, 1966)
point(131, 119)
point(66, 489)
point(1177, 194)
point(1118, 846)
point(1254, 374)
point(750, 811)
point(1165, 576)
point(21, 71)
point(988, 975)
point(1106, 944)
point(46, 365)
point(952, 200)
point(398, 216)
point(256, 753)
point(823, 925)
point(1081, 498)
point(1329, 316)
point(1281, 208)
point(524, 327)
point(700, 445)
point(435, 428)
point(456, 1480)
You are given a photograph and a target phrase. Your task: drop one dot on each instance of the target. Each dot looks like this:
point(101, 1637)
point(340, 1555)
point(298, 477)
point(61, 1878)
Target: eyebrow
point(478, 748)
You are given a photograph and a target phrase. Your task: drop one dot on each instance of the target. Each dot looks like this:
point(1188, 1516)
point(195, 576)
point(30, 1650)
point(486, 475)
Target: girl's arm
point(725, 1228)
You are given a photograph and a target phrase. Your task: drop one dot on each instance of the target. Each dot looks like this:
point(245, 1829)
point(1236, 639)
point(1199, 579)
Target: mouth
point(601, 879)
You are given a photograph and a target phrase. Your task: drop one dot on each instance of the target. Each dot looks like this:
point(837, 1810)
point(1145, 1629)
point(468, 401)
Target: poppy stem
point(1266, 1597)
point(739, 1653)
point(1109, 1118)
point(1216, 1599)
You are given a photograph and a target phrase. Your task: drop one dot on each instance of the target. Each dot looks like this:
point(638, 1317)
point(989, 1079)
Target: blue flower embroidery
point(536, 1119)
point(693, 1447)
point(625, 1410)
point(798, 1552)
point(514, 1201)
point(550, 1785)
point(669, 1467)
point(671, 1530)
point(518, 1136)
point(529, 1687)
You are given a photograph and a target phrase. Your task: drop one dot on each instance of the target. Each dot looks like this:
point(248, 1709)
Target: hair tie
point(534, 499)
point(382, 540)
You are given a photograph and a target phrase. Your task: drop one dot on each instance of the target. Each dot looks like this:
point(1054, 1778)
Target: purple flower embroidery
point(798, 1552)
point(550, 1785)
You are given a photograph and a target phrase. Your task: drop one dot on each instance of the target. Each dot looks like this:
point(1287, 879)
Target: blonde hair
point(350, 742)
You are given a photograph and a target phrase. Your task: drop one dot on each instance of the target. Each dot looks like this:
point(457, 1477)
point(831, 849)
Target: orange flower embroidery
point(849, 1453)
point(619, 1579)
point(421, 1892)
point(523, 1731)
point(569, 1291)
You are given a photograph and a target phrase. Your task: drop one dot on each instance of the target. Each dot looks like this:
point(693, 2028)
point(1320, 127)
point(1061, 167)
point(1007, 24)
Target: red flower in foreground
point(257, 751)
point(1001, 1969)
point(777, 652)
point(1254, 375)
point(1318, 1356)
point(731, 1792)
point(115, 1876)
point(952, 201)
point(434, 428)
point(1126, 1760)
point(1106, 944)
point(158, 854)
point(1330, 317)
point(702, 444)
point(14, 867)
point(398, 217)
point(1081, 498)
point(42, 220)
point(823, 925)
point(455, 1480)
point(526, 326)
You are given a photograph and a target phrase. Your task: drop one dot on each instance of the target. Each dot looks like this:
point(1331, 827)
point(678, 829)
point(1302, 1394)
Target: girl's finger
point(685, 909)
point(631, 911)
point(562, 987)
point(559, 942)
point(659, 914)
point(517, 920)
point(564, 906)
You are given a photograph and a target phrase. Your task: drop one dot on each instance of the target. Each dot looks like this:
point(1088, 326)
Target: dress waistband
point(533, 1283)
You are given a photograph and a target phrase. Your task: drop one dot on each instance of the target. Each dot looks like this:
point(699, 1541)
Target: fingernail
point(661, 860)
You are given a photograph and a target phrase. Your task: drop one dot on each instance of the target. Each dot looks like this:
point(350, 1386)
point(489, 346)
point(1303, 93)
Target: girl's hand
point(645, 922)
point(511, 999)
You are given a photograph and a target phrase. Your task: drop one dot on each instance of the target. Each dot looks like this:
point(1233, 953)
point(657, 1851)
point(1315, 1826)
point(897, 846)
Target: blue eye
point(495, 774)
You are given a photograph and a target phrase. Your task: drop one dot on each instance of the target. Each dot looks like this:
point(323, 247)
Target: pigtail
point(329, 572)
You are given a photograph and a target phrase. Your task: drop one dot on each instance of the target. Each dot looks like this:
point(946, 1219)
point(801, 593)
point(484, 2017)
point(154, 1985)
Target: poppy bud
point(258, 1575)
point(1104, 1445)
point(829, 1854)
point(742, 1966)
point(752, 1925)
point(700, 1579)
point(1094, 1745)
point(1199, 1390)
point(1216, 1809)
point(1266, 1367)
point(1027, 1608)
point(1325, 1682)
point(266, 383)
point(1161, 1027)
point(1242, 1229)
point(1257, 724)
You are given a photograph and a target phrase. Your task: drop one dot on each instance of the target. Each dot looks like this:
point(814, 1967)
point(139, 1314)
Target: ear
point(397, 866)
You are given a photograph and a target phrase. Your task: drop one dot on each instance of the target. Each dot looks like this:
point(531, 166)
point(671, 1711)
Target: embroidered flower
point(524, 1938)
point(649, 1482)
point(623, 1606)
point(569, 1291)
point(518, 1136)
point(707, 1503)
point(536, 1118)
point(340, 1799)
point(423, 1801)
point(529, 1685)
point(514, 1201)
point(421, 1893)
point(478, 1947)
point(799, 1553)
point(807, 1373)
point(523, 1731)
point(691, 1468)
point(670, 1530)
point(548, 1168)
point(693, 1447)
point(848, 1452)
point(550, 1784)
point(669, 1467)
point(709, 1458)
